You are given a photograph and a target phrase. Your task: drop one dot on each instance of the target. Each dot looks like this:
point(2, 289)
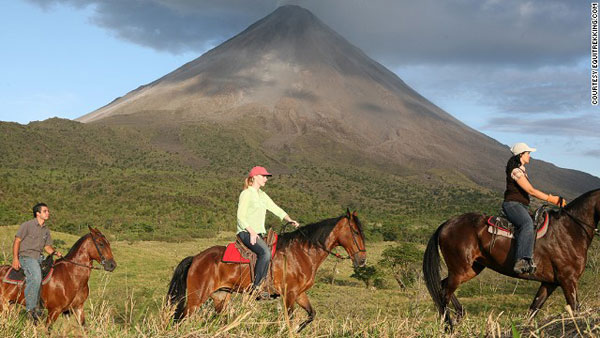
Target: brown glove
point(555, 200)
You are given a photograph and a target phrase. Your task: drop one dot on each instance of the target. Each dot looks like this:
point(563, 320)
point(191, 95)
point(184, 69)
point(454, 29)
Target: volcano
point(301, 86)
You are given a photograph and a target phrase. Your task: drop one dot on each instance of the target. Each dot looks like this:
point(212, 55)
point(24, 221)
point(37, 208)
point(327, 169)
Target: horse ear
point(90, 227)
point(348, 214)
point(354, 213)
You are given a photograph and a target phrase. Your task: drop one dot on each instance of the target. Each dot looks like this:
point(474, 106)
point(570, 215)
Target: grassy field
point(129, 302)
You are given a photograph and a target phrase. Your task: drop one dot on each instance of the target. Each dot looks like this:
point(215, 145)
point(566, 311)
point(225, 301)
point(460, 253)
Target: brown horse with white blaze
point(468, 248)
point(294, 265)
point(67, 289)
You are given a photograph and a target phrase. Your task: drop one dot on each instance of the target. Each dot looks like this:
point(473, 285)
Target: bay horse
point(67, 290)
point(468, 248)
point(299, 254)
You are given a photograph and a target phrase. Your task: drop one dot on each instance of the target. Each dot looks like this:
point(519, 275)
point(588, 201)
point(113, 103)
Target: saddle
point(500, 225)
point(17, 277)
point(238, 253)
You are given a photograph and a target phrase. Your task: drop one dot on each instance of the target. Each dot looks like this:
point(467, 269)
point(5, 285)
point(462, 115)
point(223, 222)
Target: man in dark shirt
point(31, 238)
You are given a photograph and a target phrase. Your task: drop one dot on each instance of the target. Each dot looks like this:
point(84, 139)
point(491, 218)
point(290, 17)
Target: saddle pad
point(233, 255)
point(17, 277)
point(494, 227)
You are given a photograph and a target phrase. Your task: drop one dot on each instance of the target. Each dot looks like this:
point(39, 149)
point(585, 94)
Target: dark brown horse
point(67, 290)
point(468, 248)
point(299, 254)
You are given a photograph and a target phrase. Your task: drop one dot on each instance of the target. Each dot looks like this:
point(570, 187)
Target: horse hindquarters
point(458, 241)
point(10, 292)
point(203, 275)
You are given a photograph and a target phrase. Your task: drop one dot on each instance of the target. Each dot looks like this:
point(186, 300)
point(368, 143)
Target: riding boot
point(34, 316)
point(260, 292)
point(524, 265)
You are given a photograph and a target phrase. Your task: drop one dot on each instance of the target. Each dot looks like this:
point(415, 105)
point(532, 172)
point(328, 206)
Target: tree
point(404, 261)
point(367, 274)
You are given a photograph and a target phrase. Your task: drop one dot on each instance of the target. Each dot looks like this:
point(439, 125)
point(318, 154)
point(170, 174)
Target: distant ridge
point(302, 85)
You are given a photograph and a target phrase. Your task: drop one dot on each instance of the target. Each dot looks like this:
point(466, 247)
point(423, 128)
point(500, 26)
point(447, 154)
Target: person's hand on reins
point(291, 221)
point(557, 200)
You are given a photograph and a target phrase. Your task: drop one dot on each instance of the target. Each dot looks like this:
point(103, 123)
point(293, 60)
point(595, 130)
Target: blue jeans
point(33, 281)
point(263, 258)
point(518, 215)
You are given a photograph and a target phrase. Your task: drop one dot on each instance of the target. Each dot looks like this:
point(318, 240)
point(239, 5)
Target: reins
point(92, 267)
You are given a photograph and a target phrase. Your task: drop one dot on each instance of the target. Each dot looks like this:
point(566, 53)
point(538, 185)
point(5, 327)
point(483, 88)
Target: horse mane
point(315, 233)
point(575, 206)
point(75, 246)
point(581, 198)
point(359, 225)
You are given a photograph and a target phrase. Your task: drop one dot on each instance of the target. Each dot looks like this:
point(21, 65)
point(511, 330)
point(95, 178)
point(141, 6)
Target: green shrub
point(403, 261)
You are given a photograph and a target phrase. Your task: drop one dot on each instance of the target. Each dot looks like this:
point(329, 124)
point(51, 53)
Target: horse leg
point(290, 299)
point(220, 299)
point(304, 302)
point(540, 298)
point(52, 316)
point(79, 314)
point(449, 285)
point(198, 294)
point(77, 304)
point(460, 310)
point(569, 287)
point(448, 294)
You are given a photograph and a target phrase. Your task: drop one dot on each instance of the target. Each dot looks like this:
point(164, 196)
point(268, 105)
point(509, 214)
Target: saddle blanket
point(17, 277)
point(501, 226)
point(233, 255)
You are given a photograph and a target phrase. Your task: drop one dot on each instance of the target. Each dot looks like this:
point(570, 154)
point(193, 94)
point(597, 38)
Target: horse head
point(350, 236)
point(100, 251)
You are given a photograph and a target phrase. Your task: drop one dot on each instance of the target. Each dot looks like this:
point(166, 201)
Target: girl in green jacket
point(252, 209)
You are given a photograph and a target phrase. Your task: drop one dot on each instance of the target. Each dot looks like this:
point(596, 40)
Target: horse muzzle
point(110, 265)
point(359, 259)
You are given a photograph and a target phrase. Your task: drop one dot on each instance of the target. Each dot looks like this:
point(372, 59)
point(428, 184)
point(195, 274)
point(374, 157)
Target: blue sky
point(514, 70)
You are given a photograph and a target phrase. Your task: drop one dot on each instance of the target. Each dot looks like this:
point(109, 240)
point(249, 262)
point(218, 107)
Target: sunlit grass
point(130, 302)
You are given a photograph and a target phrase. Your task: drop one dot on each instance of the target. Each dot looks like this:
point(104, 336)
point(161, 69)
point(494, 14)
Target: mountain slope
point(303, 86)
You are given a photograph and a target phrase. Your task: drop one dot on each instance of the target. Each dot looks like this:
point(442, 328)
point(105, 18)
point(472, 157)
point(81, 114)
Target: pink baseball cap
point(258, 171)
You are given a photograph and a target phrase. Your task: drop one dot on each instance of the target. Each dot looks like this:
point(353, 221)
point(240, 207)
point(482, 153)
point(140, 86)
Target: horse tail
point(178, 286)
point(431, 269)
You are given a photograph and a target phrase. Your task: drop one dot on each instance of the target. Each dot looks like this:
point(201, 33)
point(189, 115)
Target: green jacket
point(252, 210)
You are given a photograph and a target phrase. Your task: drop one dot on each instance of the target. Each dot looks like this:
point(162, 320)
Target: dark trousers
point(518, 215)
point(263, 258)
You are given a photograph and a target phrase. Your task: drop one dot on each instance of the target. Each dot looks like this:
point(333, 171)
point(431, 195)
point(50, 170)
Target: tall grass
point(130, 302)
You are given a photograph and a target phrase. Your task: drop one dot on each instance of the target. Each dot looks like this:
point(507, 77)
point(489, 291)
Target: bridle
point(335, 254)
point(91, 266)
